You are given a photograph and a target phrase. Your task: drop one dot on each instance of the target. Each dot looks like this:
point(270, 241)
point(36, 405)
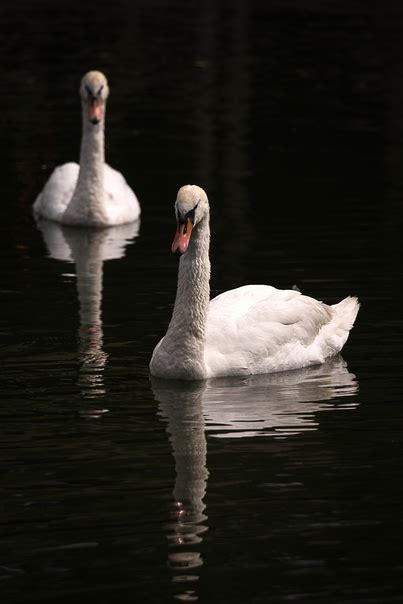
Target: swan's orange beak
point(95, 110)
point(182, 237)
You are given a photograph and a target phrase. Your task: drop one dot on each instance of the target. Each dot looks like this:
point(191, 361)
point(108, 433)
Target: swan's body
point(92, 193)
point(250, 330)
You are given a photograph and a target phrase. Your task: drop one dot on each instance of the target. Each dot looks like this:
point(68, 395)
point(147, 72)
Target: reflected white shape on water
point(180, 405)
point(275, 404)
point(279, 405)
point(88, 249)
point(70, 243)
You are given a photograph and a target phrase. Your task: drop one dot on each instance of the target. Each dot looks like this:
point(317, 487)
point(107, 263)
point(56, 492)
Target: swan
point(92, 193)
point(253, 329)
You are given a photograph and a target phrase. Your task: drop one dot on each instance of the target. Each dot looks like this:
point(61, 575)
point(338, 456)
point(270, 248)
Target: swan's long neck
point(193, 291)
point(182, 348)
point(88, 200)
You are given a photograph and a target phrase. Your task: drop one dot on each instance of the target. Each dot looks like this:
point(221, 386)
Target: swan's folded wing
point(57, 192)
point(261, 329)
point(121, 202)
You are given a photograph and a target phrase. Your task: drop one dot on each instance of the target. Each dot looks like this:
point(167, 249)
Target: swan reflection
point(278, 405)
point(88, 249)
point(181, 406)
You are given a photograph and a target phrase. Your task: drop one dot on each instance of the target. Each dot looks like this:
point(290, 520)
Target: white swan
point(250, 330)
point(92, 193)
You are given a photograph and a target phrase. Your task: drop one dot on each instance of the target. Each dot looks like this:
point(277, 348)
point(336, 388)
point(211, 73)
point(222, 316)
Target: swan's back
point(260, 329)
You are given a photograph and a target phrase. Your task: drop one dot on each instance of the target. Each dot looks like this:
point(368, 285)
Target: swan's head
point(94, 91)
point(191, 207)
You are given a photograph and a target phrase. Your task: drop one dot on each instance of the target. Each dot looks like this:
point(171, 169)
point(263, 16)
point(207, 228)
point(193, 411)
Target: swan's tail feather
point(336, 332)
point(345, 312)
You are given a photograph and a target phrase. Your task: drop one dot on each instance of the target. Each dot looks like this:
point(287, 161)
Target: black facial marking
point(188, 216)
point(93, 95)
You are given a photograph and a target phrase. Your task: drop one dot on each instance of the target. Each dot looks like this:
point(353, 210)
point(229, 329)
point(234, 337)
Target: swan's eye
point(89, 91)
point(100, 90)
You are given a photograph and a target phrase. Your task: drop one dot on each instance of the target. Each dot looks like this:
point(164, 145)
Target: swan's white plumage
point(121, 204)
point(57, 192)
point(260, 329)
point(90, 193)
point(254, 329)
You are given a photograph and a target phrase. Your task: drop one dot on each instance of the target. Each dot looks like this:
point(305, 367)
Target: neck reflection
point(180, 405)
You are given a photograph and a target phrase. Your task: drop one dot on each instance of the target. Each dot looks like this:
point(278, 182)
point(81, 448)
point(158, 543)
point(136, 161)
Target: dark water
point(278, 488)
